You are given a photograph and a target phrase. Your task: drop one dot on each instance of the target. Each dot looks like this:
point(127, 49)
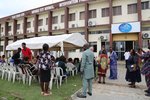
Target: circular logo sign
point(125, 27)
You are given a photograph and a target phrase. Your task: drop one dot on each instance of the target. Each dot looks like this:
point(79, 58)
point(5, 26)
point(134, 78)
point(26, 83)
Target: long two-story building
point(121, 24)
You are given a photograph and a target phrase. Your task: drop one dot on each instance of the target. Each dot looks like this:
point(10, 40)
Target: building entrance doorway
point(129, 45)
point(121, 46)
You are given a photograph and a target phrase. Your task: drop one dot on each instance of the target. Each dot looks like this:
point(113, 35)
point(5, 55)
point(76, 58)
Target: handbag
point(132, 67)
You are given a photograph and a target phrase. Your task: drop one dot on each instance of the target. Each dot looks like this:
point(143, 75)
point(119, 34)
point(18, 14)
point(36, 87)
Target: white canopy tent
point(56, 43)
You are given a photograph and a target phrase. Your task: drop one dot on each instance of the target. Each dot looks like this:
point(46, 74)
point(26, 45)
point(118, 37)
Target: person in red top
point(26, 52)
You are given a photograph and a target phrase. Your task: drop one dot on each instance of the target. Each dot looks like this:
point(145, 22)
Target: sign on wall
point(126, 27)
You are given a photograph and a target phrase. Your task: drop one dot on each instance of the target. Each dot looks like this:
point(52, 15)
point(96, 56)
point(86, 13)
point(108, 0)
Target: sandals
point(46, 94)
point(42, 93)
point(132, 86)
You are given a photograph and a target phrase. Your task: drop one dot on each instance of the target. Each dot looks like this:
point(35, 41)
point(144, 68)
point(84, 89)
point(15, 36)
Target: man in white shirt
point(126, 55)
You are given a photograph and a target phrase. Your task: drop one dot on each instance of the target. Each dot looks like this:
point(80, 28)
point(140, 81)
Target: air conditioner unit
point(91, 23)
point(103, 38)
point(74, 25)
point(9, 33)
point(28, 31)
point(146, 35)
point(55, 27)
point(40, 29)
point(2, 34)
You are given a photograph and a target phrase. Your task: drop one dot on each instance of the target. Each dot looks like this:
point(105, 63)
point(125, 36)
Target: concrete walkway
point(117, 89)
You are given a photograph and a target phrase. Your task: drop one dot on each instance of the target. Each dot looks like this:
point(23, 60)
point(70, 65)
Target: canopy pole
point(62, 48)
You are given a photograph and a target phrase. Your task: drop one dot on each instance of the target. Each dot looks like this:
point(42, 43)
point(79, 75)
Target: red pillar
point(50, 13)
point(86, 29)
point(140, 20)
point(110, 22)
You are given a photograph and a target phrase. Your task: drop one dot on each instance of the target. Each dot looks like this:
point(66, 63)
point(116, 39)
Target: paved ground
point(117, 89)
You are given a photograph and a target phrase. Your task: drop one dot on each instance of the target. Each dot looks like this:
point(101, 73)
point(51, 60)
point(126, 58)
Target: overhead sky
point(10, 7)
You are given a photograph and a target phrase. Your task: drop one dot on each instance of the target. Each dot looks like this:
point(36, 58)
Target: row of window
point(132, 8)
point(92, 32)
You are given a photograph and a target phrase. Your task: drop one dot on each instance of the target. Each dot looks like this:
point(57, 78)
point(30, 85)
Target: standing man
point(87, 71)
point(94, 62)
point(113, 64)
point(126, 56)
point(26, 52)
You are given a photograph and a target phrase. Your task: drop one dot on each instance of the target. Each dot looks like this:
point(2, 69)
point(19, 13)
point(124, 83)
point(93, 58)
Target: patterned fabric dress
point(146, 67)
point(45, 64)
point(102, 68)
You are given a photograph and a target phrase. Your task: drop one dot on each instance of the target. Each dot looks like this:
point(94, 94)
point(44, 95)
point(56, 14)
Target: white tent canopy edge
point(58, 42)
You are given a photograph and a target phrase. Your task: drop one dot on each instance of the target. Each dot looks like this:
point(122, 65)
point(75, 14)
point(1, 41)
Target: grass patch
point(8, 89)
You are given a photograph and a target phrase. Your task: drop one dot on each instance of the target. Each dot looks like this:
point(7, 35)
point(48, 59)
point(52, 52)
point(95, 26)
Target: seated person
point(70, 66)
point(77, 63)
point(0, 60)
point(31, 67)
point(61, 63)
point(17, 57)
point(3, 59)
point(35, 59)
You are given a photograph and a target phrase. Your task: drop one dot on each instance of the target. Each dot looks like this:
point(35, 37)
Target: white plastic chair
point(76, 70)
point(71, 72)
point(53, 77)
point(29, 74)
point(10, 72)
point(21, 73)
point(5, 71)
point(60, 74)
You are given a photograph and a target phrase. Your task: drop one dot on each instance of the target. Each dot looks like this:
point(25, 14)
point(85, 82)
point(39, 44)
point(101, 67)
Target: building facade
point(121, 24)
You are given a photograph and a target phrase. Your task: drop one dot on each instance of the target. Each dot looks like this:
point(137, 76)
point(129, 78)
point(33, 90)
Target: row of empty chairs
point(20, 72)
point(24, 74)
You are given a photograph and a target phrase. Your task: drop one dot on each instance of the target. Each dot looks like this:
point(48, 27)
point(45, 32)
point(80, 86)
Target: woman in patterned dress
point(45, 64)
point(103, 65)
point(146, 69)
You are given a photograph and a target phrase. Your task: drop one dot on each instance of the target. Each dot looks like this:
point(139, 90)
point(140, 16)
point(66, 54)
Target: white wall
point(2, 53)
point(31, 29)
point(44, 27)
point(76, 54)
point(10, 32)
point(58, 13)
point(3, 33)
point(125, 17)
point(10, 53)
point(98, 6)
point(21, 26)
point(146, 14)
point(77, 22)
